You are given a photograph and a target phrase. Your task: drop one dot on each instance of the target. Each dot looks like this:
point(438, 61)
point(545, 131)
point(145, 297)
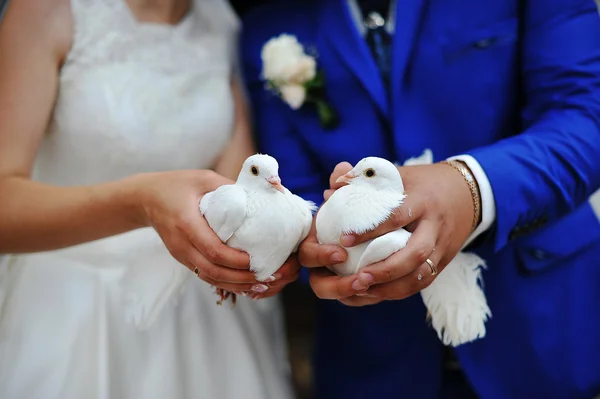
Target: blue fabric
point(514, 83)
point(380, 6)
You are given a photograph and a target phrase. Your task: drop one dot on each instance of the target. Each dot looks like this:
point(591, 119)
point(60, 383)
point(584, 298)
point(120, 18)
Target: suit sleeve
point(554, 165)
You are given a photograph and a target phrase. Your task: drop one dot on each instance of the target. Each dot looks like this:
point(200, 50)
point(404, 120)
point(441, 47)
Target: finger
point(327, 285)
point(242, 289)
point(210, 246)
point(405, 214)
point(358, 301)
point(288, 271)
point(269, 294)
point(313, 254)
point(410, 284)
point(209, 180)
point(282, 283)
point(340, 169)
point(273, 291)
point(420, 247)
point(274, 287)
point(327, 194)
point(219, 273)
point(231, 287)
point(317, 255)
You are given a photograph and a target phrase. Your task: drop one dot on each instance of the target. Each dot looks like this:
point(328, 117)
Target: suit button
point(514, 233)
point(484, 43)
point(539, 254)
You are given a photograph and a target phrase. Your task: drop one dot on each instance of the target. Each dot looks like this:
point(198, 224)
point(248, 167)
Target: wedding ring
point(431, 266)
point(196, 271)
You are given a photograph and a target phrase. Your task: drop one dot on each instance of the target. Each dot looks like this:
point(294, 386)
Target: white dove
point(259, 216)
point(456, 303)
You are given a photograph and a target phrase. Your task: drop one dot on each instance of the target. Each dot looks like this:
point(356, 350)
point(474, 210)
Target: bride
point(111, 114)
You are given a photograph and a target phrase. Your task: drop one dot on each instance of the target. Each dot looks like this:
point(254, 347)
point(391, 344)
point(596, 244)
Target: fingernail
point(363, 282)
point(366, 278)
point(260, 288)
point(348, 241)
point(337, 257)
point(255, 296)
point(271, 279)
point(362, 294)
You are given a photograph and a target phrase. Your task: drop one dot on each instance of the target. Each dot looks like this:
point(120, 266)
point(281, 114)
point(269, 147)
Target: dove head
point(261, 172)
point(376, 173)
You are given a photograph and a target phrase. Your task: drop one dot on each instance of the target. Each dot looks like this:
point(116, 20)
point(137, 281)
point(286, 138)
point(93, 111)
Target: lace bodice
point(140, 97)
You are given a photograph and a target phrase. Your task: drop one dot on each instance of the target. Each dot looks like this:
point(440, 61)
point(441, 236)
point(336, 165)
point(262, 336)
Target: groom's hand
point(439, 211)
point(326, 284)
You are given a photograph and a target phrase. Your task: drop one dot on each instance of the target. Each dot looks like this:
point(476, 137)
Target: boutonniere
point(292, 74)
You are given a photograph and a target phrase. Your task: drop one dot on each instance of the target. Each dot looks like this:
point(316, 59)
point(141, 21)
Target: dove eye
point(254, 170)
point(370, 172)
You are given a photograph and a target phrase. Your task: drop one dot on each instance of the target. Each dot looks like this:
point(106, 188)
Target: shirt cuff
point(488, 204)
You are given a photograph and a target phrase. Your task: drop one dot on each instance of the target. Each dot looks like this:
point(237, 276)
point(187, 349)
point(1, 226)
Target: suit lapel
point(344, 39)
point(408, 18)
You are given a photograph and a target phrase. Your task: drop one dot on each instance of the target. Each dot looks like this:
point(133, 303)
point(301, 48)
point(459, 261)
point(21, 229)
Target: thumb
point(340, 169)
point(210, 181)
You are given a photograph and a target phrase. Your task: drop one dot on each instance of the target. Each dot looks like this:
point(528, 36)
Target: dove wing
point(225, 210)
point(383, 247)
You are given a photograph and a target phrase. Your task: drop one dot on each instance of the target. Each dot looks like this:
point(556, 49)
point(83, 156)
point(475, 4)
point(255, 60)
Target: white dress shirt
point(488, 205)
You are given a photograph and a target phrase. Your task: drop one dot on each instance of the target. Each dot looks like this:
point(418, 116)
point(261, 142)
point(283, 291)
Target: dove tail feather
point(456, 303)
point(312, 207)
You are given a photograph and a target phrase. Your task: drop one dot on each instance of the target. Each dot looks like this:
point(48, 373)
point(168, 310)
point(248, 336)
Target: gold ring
point(196, 271)
point(431, 266)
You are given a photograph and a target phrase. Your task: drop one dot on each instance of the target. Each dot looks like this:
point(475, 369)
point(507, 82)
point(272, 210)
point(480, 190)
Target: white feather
point(455, 300)
point(225, 210)
point(252, 216)
point(457, 306)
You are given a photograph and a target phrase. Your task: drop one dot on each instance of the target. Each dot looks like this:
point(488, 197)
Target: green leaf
point(327, 115)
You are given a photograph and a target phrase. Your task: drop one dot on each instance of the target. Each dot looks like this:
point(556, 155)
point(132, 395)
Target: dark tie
point(379, 40)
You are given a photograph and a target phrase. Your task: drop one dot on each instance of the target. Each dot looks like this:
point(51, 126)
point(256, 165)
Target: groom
point(511, 87)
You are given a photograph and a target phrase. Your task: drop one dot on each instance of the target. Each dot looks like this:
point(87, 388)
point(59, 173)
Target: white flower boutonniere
point(292, 74)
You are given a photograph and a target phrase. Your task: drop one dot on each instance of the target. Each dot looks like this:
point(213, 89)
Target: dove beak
point(347, 178)
point(275, 181)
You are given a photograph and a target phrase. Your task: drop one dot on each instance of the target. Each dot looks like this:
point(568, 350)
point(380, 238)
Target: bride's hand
point(169, 202)
point(286, 274)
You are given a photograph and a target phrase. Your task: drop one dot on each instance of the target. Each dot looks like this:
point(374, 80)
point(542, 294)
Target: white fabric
point(488, 204)
point(120, 318)
point(595, 203)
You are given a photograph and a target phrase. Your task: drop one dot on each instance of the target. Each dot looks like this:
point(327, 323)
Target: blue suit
point(515, 84)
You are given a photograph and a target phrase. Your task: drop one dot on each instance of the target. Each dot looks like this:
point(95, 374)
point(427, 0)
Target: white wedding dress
point(119, 318)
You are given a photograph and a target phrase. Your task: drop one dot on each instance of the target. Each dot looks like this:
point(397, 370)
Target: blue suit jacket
point(516, 84)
